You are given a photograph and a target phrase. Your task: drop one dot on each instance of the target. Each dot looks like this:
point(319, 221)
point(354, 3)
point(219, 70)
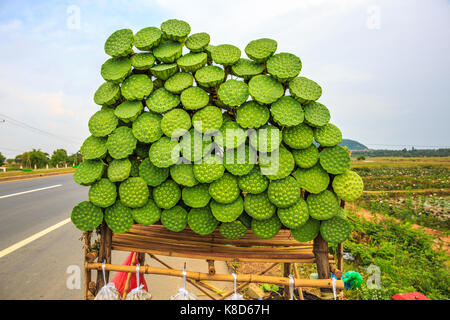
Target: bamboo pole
point(297, 276)
point(313, 283)
point(87, 272)
point(286, 273)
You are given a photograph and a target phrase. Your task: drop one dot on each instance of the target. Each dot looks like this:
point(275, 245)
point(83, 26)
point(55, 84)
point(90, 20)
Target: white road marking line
point(29, 191)
point(30, 239)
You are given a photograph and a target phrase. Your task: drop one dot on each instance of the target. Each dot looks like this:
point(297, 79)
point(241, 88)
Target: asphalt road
point(51, 266)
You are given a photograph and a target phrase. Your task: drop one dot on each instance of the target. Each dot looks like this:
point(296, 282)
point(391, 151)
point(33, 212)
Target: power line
point(23, 125)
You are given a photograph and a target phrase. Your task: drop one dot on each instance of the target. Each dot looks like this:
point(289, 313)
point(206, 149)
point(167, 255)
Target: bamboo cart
point(156, 240)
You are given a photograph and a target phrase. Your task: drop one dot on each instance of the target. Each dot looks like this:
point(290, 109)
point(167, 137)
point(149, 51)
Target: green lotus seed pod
point(254, 182)
point(102, 123)
point(304, 90)
point(194, 98)
point(246, 69)
point(266, 229)
point(226, 54)
point(323, 206)
point(210, 76)
point(93, 148)
point(313, 180)
point(153, 175)
point(164, 71)
point(116, 69)
point(191, 62)
point(258, 206)
point(265, 89)
point(316, 114)
point(328, 135)
point(161, 101)
point(174, 219)
point(284, 66)
point(121, 143)
point(164, 152)
point(147, 38)
point(260, 50)
point(208, 120)
point(120, 43)
point(118, 217)
point(306, 158)
point(167, 194)
point(266, 139)
point(307, 232)
point(175, 123)
point(88, 172)
point(174, 29)
point(128, 111)
point(287, 112)
point(278, 165)
point(178, 82)
point(103, 193)
point(227, 212)
point(209, 169)
point(335, 160)
point(194, 145)
point(136, 87)
point(107, 94)
point(335, 230)
point(147, 127)
point(348, 186)
point(252, 115)
point(295, 216)
point(298, 137)
point(134, 192)
point(197, 42)
point(225, 189)
point(86, 216)
point(284, 193)
point(168, 51)
point(119, 170)
point(230, 135)
point(201, 221)
point(233, 230)
point(233, 93)
point(183, 174)
point(148, 214)
point(197, 196)
point(239, 161)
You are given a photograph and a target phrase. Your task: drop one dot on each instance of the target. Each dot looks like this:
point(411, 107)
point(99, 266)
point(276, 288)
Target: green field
point(404, 192)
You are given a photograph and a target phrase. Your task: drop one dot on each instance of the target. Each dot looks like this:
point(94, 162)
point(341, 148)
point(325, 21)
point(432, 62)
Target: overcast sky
point(384, 66)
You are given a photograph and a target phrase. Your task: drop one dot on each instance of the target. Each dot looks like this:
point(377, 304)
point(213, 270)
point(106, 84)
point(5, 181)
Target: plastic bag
point(235, 295)
point(120, 279)
point(109, 291)
point(182, 293)
point(291, 287)
point(138, 293)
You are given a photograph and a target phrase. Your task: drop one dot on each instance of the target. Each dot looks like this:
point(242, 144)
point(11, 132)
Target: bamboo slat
point(282, 281)
point(156, 239)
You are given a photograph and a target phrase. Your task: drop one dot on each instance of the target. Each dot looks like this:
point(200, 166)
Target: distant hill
point(353, 145)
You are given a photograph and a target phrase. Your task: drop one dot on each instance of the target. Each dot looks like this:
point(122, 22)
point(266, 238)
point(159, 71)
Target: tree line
point(445, 152)
point(40, 159)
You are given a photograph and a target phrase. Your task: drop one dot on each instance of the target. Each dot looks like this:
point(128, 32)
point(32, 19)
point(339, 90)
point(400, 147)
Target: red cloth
point(120, 278)
point(409, 296)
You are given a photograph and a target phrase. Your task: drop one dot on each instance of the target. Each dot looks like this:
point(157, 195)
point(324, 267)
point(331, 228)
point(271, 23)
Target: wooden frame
point(157, 240)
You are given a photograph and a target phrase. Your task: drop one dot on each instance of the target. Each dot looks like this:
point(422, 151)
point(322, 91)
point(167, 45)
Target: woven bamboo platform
point(156, 239)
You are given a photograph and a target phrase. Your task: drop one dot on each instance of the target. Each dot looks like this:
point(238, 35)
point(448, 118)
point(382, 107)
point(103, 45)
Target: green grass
point(39, 171)
point(405, 256)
